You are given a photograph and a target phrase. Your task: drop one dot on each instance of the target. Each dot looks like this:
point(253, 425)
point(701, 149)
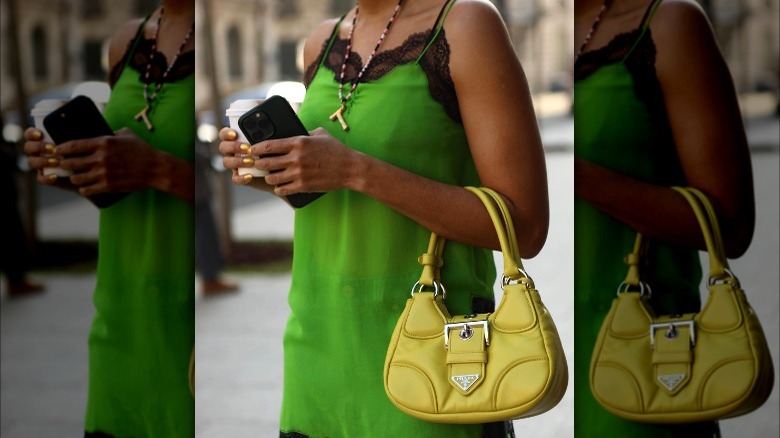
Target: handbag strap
point(433, 261)
point(502, 221)
point(708, 221)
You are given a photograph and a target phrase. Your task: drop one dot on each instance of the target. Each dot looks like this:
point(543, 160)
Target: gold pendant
point(339, 114)
point(144, 115)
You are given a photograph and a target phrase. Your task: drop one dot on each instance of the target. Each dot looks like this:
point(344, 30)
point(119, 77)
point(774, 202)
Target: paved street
point(238, 388)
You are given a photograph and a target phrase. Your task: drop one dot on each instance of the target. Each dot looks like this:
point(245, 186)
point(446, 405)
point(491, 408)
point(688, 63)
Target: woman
point(393, 147)
point(655, 107)
point(142, 336)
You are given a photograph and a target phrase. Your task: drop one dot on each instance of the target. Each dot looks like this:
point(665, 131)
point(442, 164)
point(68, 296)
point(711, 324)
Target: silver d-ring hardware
point(731, 278)
point(524, 279)
point(643, 288)
point(436, 287)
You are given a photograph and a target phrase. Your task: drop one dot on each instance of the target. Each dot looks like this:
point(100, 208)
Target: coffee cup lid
point(45, 106)
point(242, 105)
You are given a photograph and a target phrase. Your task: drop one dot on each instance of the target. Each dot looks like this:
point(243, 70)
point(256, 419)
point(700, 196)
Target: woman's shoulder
point(317, 38)
point(479, 16)
point(682, 33)
point(472, 26)
point(680, 19)
point(121, 40)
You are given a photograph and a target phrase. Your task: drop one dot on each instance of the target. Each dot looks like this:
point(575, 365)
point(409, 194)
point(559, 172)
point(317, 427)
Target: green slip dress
point(621, 124)
point(142, 334)
point(355, 259)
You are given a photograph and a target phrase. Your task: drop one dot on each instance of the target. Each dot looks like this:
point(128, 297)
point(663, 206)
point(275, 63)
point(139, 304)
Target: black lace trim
point(640, 63)
point(435, 63)
point(184, 67)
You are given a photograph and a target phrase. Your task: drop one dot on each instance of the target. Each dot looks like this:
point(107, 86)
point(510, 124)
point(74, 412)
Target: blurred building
point(749, 35)
point(257, 41)
point(59, 41)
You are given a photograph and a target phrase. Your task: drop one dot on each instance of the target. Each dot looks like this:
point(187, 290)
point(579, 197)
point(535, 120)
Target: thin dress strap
point(128, 55)
point(644, 24)
point(333, 37)
point(438, 26)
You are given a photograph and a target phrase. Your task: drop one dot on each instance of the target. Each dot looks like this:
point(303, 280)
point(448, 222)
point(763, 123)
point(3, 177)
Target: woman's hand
point(230, 147)
point(118, 163)
point(40, 155)
point(317, 163)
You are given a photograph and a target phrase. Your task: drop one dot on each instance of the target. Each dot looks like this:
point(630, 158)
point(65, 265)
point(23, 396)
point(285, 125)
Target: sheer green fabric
point(143, 330)
point(355, 261)
point(617, 130)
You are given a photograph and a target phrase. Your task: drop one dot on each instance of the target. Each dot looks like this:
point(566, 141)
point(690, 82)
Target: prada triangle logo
point(465, 381)
point(670, 381)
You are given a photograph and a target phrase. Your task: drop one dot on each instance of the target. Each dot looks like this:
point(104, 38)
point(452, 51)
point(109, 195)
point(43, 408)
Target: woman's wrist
point(357, 172)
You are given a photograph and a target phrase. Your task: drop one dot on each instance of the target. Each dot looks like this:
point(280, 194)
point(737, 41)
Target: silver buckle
point(672, 331)
point(466, 331)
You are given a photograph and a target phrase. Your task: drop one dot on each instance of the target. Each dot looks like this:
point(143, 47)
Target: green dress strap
point(333, 37)
point(438, 26)
point(644, 25)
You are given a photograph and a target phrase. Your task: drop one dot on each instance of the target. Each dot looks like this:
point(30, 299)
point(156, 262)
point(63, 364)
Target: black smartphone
point(80, 118)
point(275, 118)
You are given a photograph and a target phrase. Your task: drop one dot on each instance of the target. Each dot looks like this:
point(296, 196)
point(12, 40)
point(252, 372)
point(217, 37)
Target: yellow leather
point(518, 370)
point(711, 365)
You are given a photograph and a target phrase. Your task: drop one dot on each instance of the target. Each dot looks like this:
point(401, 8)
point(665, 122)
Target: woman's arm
point(500, 124)
point(707, 128)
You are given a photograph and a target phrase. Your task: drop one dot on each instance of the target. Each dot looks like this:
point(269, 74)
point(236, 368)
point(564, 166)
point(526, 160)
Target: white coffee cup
point(237, 109)
point(39, 112)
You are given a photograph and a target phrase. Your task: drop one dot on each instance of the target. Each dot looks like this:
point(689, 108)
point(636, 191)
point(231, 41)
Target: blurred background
point(245, 48)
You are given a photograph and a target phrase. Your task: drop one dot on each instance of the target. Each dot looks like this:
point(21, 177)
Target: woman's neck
point(376, 7)
point(179, 9)
point(587, 7)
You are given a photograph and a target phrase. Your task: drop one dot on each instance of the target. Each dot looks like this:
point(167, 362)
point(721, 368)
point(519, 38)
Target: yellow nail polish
point(247, 177)
point(49, 147)
point(52, 177)
point(244, 147)
point(53, 161)
point(232, 135)
point(37, 135)
point(248, 161)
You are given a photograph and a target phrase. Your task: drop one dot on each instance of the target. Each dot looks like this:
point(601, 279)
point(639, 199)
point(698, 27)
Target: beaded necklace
point(592, 30)
point(149, 99)
point(339, 114)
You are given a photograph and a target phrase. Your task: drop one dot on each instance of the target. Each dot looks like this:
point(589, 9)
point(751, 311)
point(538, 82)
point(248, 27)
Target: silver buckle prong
point(672, 330)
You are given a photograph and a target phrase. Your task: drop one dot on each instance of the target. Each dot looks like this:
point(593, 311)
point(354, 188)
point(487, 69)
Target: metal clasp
point(672, 331)
point(466, 331)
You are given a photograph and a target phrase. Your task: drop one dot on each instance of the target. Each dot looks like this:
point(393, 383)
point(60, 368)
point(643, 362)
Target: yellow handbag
point(476, 368)
point(683, 368)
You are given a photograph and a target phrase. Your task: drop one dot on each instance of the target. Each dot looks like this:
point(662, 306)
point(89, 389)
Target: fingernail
point(248, 161)
point(231, 135)
point(37, 135)
point(244, 147)
point(52, 177)
point(247, 177)
point(53, 161)
point(49, 147)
